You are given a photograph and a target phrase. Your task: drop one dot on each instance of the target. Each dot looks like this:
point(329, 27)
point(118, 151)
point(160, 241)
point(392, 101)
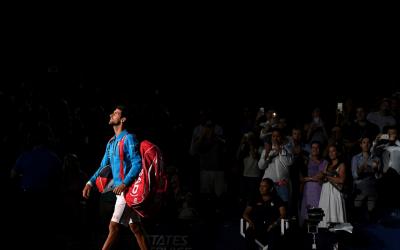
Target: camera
point(315, 216)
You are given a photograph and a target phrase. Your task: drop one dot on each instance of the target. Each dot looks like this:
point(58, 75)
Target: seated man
point(263, 215)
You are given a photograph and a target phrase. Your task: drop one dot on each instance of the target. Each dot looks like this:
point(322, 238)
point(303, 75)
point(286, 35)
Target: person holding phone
point(315, 130)
point(365, 169)
point(389, 152)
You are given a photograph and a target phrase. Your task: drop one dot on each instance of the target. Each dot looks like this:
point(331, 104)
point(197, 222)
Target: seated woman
point(263, 215)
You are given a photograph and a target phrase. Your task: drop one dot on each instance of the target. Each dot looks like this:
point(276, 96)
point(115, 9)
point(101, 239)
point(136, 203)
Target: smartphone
point(340, 106)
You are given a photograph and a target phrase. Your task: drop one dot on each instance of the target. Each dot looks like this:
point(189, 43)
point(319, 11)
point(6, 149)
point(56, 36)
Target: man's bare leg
point(139, 233)
point(113, 232)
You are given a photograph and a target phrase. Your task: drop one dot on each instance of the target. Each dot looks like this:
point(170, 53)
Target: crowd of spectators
point(212, 156)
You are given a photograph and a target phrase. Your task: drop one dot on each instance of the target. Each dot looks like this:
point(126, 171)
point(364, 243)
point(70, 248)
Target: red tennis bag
point(147, 192)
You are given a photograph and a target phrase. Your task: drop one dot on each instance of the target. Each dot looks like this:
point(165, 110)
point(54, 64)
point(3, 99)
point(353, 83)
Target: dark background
point(224, 66)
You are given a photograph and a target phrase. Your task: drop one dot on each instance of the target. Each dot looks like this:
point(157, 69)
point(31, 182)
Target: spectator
point(332, 198)
point(365, 169)
point(311, 180)
point(263, 215)
point(276, 165)
point(383, 117)
point(387, 146)
point(248, 153)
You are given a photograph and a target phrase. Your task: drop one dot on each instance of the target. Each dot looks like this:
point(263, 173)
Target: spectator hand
point(271, 155)
point(319, 175)
point(272, 226)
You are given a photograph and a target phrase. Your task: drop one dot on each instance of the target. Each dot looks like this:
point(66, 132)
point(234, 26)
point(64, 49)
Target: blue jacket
point(132, 159)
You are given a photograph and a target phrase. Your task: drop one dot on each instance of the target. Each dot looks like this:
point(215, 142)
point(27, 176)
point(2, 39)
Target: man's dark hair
point(275, 129)
point(269, 181)
point(271, 185)
point(124, 111)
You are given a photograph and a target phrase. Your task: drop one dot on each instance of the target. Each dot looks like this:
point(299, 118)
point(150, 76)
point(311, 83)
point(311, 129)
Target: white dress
point(332, 202)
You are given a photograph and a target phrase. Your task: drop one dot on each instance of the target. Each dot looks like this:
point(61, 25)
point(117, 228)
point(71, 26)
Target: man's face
point(276, 138)
point(360, 114)
point(115, 117)
point(296, 134)
point(264, 188)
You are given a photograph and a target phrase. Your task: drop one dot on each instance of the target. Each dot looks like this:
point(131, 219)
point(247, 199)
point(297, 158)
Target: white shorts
point(123, 214)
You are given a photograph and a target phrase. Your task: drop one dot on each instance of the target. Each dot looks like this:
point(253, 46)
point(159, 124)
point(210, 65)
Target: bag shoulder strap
point(121, 158)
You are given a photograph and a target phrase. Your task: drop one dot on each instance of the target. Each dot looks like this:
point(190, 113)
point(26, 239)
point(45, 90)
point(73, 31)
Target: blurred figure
point(365, 169)
point(37, 177)
point(387, 146)
point(272, 121)
point(299, 150)
point(336, 138)
point(73, 180)
point(209, 146)
point(383, 117)
point(38, 170)
point(315, 130)
point(248, 153)
point(359, 128)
